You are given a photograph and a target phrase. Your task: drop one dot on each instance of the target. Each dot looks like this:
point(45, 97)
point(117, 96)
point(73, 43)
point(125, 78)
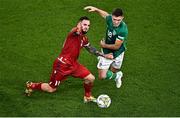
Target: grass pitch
point(32, 34)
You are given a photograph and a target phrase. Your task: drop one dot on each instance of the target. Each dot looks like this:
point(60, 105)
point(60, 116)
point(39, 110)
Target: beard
point(84, 32)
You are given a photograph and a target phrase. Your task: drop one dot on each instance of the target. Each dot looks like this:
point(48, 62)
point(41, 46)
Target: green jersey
point(113, 34)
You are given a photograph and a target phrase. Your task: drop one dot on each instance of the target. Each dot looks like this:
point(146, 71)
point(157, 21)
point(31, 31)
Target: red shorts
point(62, 68)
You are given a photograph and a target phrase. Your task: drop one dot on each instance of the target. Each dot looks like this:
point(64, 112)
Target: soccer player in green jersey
point(115, 43)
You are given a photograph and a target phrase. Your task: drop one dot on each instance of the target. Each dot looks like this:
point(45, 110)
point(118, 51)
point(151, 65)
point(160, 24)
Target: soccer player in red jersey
point(66, 64)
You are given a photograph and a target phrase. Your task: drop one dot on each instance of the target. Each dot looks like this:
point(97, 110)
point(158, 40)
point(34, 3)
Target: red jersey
point(73, 44)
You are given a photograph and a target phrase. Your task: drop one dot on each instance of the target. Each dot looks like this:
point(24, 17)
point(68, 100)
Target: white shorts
point(106, 63)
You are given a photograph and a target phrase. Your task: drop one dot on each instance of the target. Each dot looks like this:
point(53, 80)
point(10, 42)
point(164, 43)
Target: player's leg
point(88, 85)
point(103, 69)
point(30, 87)
point(112, 73)
point(56, 76)
point(106, 74)
point(102, 73)
point(115, 68)
point(83, 73)
point(47, 87)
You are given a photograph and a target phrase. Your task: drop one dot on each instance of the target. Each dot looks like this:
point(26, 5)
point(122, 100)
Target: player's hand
point(102, 43)
point(90, 8)
point(79, 27)
point(109, 56)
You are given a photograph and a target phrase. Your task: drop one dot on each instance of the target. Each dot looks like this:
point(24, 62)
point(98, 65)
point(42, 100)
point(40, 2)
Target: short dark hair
point(84, 18)
point(117, 12)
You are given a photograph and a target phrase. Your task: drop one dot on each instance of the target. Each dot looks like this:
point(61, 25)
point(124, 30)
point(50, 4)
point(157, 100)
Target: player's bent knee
point(102, 76)
point(114, 70)
point(90, 78)
point(51, 90)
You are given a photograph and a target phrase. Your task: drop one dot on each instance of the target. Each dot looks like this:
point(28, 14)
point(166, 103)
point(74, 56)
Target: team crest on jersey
point(109, 34)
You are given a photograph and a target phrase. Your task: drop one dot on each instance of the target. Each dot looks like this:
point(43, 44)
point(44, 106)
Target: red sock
point(36, 86)
point(87, 89)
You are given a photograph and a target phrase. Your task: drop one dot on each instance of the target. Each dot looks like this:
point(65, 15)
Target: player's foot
point(118, 79)
point(28, 90)
point(89, 99)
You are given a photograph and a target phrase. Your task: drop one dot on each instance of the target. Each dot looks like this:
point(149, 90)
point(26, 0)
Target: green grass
point(31, 36)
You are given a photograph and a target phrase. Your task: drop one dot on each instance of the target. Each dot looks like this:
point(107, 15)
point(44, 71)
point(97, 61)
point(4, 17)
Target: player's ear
point(122, 17)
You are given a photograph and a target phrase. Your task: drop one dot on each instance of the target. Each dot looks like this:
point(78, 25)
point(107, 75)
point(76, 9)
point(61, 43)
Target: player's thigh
point(103, 66)
point(59, 73)
point(89, 78)
point(55, 78)
point(117, 63)
point(80, 71)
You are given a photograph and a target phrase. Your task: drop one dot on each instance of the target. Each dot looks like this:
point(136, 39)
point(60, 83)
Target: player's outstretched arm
point(93, 50)
point(99, 11)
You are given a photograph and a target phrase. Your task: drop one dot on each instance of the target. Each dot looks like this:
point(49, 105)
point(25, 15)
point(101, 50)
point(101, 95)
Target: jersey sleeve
point(122, 35)
point(85, 41)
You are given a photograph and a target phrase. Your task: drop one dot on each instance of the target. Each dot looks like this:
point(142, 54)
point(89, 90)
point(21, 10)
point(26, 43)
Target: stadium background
point(32, 34)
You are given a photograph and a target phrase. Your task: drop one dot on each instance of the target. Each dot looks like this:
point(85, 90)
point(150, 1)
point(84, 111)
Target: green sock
point(110, 75)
